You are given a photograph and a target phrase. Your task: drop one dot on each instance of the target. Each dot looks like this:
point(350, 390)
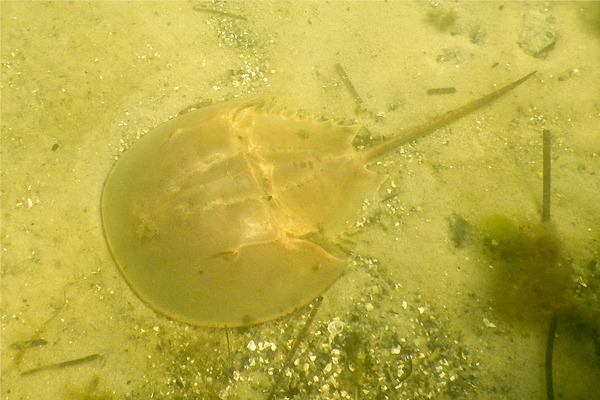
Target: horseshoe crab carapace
point(229, 215)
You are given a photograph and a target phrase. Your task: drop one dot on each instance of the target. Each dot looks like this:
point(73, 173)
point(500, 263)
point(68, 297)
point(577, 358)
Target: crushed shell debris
point(376, 353)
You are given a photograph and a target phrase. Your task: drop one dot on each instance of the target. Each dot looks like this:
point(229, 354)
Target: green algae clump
point(531, 277)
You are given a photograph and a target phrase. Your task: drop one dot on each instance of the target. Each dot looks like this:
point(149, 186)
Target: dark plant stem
point(549, 350)
point(301, 336)
point(547, 165)
point(547, 146)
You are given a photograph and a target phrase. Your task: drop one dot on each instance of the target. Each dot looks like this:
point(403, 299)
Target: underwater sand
point(81, 81)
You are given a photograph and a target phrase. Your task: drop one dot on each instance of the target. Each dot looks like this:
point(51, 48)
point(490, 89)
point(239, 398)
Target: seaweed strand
point(549, 350)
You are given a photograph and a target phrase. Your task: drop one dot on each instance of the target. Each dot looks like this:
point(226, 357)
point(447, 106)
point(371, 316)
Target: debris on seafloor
point(444, 90)
point(358, 101)
point(388, 346)
point(37, 340)
point(538, 36)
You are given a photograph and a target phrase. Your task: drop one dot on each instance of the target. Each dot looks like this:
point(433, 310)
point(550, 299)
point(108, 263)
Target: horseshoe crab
point(229, 215)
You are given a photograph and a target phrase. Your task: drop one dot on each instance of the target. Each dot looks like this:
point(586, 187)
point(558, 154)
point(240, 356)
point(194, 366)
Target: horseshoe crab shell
point(228, 215)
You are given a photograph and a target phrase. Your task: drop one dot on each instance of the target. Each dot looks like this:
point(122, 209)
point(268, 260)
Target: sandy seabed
point(414, 316)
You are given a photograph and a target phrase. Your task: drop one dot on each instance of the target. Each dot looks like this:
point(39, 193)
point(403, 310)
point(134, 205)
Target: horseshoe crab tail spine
point(372, 154)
